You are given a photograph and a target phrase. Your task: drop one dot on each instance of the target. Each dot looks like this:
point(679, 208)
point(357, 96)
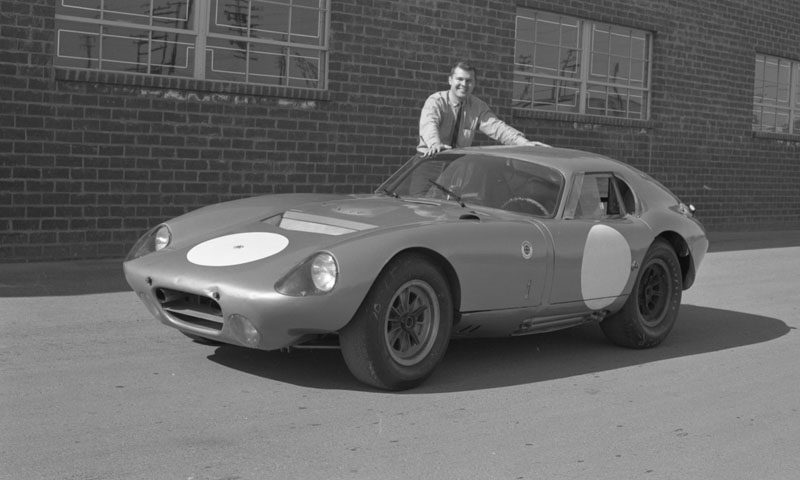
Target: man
point(449, 118)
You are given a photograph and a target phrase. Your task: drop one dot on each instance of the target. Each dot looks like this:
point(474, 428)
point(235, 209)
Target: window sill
point(786, 137)
point(187, 84)
point(587, 119)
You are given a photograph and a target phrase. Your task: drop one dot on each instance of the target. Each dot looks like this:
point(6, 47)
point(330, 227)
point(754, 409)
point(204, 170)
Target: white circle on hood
point(236, 249)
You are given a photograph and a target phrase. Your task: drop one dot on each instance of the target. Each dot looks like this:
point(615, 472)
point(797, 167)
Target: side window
point(626, 196)
point(602, 196)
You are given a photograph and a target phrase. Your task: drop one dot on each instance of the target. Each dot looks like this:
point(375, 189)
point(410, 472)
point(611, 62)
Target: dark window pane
point(568, 62)
point(546, 60)
point(548, 30)
point(270, 21)
point(305, 22)
point(125, 49)
point(600, 66)
point(172, 54)
point(304, 69)
point(522, 93)
point(524, 55)
point(226, 60)
point(173, 13)
point(229, 16)
point(596, 100)
point(620, 69)
point(268, 64)
point(78, 45)
point(526, 29)
point(82, 8)
point(127, 11)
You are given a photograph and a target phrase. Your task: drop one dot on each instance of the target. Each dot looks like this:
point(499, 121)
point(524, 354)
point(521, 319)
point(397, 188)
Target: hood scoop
point(305, 222)
point(470, 216)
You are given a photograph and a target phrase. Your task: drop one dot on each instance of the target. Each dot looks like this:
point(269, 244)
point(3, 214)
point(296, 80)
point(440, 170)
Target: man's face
point(462, 82)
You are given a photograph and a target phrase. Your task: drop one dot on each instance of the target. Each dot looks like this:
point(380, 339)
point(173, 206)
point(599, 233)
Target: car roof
point(562, 159)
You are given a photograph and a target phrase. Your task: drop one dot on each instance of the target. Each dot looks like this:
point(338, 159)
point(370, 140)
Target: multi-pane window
point(272, 42)
point(565, 64)
point(776, 97)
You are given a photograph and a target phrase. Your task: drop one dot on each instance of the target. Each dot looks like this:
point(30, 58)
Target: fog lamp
point(244, 331)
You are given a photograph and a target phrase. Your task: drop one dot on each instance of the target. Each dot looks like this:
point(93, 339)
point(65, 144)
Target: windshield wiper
point(391, 193)
point(448, 192)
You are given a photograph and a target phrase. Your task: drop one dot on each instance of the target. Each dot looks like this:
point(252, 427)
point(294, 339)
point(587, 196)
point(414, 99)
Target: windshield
point(480, 180)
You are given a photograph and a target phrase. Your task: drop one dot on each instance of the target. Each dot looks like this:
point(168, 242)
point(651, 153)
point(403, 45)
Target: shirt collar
point(455, 104)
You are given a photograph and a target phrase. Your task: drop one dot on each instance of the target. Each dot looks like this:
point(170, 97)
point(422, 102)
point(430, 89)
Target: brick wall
point(88, 161)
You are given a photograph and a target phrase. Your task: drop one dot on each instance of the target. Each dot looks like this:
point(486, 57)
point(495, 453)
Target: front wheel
point(652, 308)
point(401, 330)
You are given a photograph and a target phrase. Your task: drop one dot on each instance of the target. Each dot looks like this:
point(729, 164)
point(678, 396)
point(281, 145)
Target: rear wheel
point(652, 308)
point(401, 330)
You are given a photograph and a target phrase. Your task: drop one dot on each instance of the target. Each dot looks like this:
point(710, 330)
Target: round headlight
point(162, 238)
point(324, 272)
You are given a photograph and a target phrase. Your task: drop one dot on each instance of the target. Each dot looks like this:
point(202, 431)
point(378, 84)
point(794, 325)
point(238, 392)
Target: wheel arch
point(446, 268)
point(684, 254)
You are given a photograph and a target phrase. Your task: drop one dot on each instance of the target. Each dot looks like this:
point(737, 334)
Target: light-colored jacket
point(438, 118)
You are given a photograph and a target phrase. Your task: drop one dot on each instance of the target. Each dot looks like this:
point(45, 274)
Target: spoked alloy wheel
point(412, 322)
point(401, 330)
point(652, 308)
point(655, 291)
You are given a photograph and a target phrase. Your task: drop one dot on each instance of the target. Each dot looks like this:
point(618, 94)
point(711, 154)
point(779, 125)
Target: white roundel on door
point(237, 249)
point(606, 266)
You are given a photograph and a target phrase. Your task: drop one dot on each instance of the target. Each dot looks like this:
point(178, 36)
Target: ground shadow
point(491, 363)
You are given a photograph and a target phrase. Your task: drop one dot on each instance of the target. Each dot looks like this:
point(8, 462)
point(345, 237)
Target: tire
point(401, 331)
point(652, 308)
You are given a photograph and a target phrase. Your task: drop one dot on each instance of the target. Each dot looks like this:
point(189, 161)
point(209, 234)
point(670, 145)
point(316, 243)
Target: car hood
point(317, 216)
point(366, 212)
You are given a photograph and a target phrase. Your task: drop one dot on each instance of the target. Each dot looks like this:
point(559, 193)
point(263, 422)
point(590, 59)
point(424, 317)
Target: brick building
point(116, 114)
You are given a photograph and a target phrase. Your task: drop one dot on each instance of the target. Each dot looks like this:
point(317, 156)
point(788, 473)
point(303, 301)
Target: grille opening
point(190, 308)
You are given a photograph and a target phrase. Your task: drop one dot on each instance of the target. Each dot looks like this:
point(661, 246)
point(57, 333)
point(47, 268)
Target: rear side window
point(598, 196)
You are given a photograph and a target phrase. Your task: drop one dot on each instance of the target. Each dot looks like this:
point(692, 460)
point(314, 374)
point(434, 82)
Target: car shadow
point(476, 364)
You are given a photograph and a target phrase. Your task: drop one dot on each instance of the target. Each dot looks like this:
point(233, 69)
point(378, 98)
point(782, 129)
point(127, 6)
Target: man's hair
point(466, 66)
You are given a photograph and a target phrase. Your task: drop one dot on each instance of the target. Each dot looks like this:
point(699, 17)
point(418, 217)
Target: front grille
point(190, 308)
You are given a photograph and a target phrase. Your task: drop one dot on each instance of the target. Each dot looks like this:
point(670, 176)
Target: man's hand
point(532, 143)
point(432, 151)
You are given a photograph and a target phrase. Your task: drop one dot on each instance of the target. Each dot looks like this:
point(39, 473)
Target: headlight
point(324, 272)
point(162, 237)
point(315, 276)
point(156, 239)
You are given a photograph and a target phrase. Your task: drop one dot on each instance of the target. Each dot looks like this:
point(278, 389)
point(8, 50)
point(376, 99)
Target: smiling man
point(449, 118)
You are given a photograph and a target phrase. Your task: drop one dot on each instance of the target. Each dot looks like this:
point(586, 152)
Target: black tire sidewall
point(369, 324)
point(628, 327)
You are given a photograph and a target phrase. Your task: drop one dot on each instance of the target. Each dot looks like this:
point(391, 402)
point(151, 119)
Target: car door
point(597, 241)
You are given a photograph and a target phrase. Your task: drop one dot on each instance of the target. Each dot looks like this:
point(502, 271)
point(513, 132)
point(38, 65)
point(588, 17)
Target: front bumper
point(230, 310)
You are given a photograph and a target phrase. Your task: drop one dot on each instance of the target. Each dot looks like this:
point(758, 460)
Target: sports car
point(477, 242)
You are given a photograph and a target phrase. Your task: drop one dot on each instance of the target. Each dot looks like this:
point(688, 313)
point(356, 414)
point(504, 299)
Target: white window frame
point(201, 32)
point(768, 105)
point(585, 32)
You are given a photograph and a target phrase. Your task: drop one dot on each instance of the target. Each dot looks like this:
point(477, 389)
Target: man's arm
point(498, 130)
point(430, 143)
